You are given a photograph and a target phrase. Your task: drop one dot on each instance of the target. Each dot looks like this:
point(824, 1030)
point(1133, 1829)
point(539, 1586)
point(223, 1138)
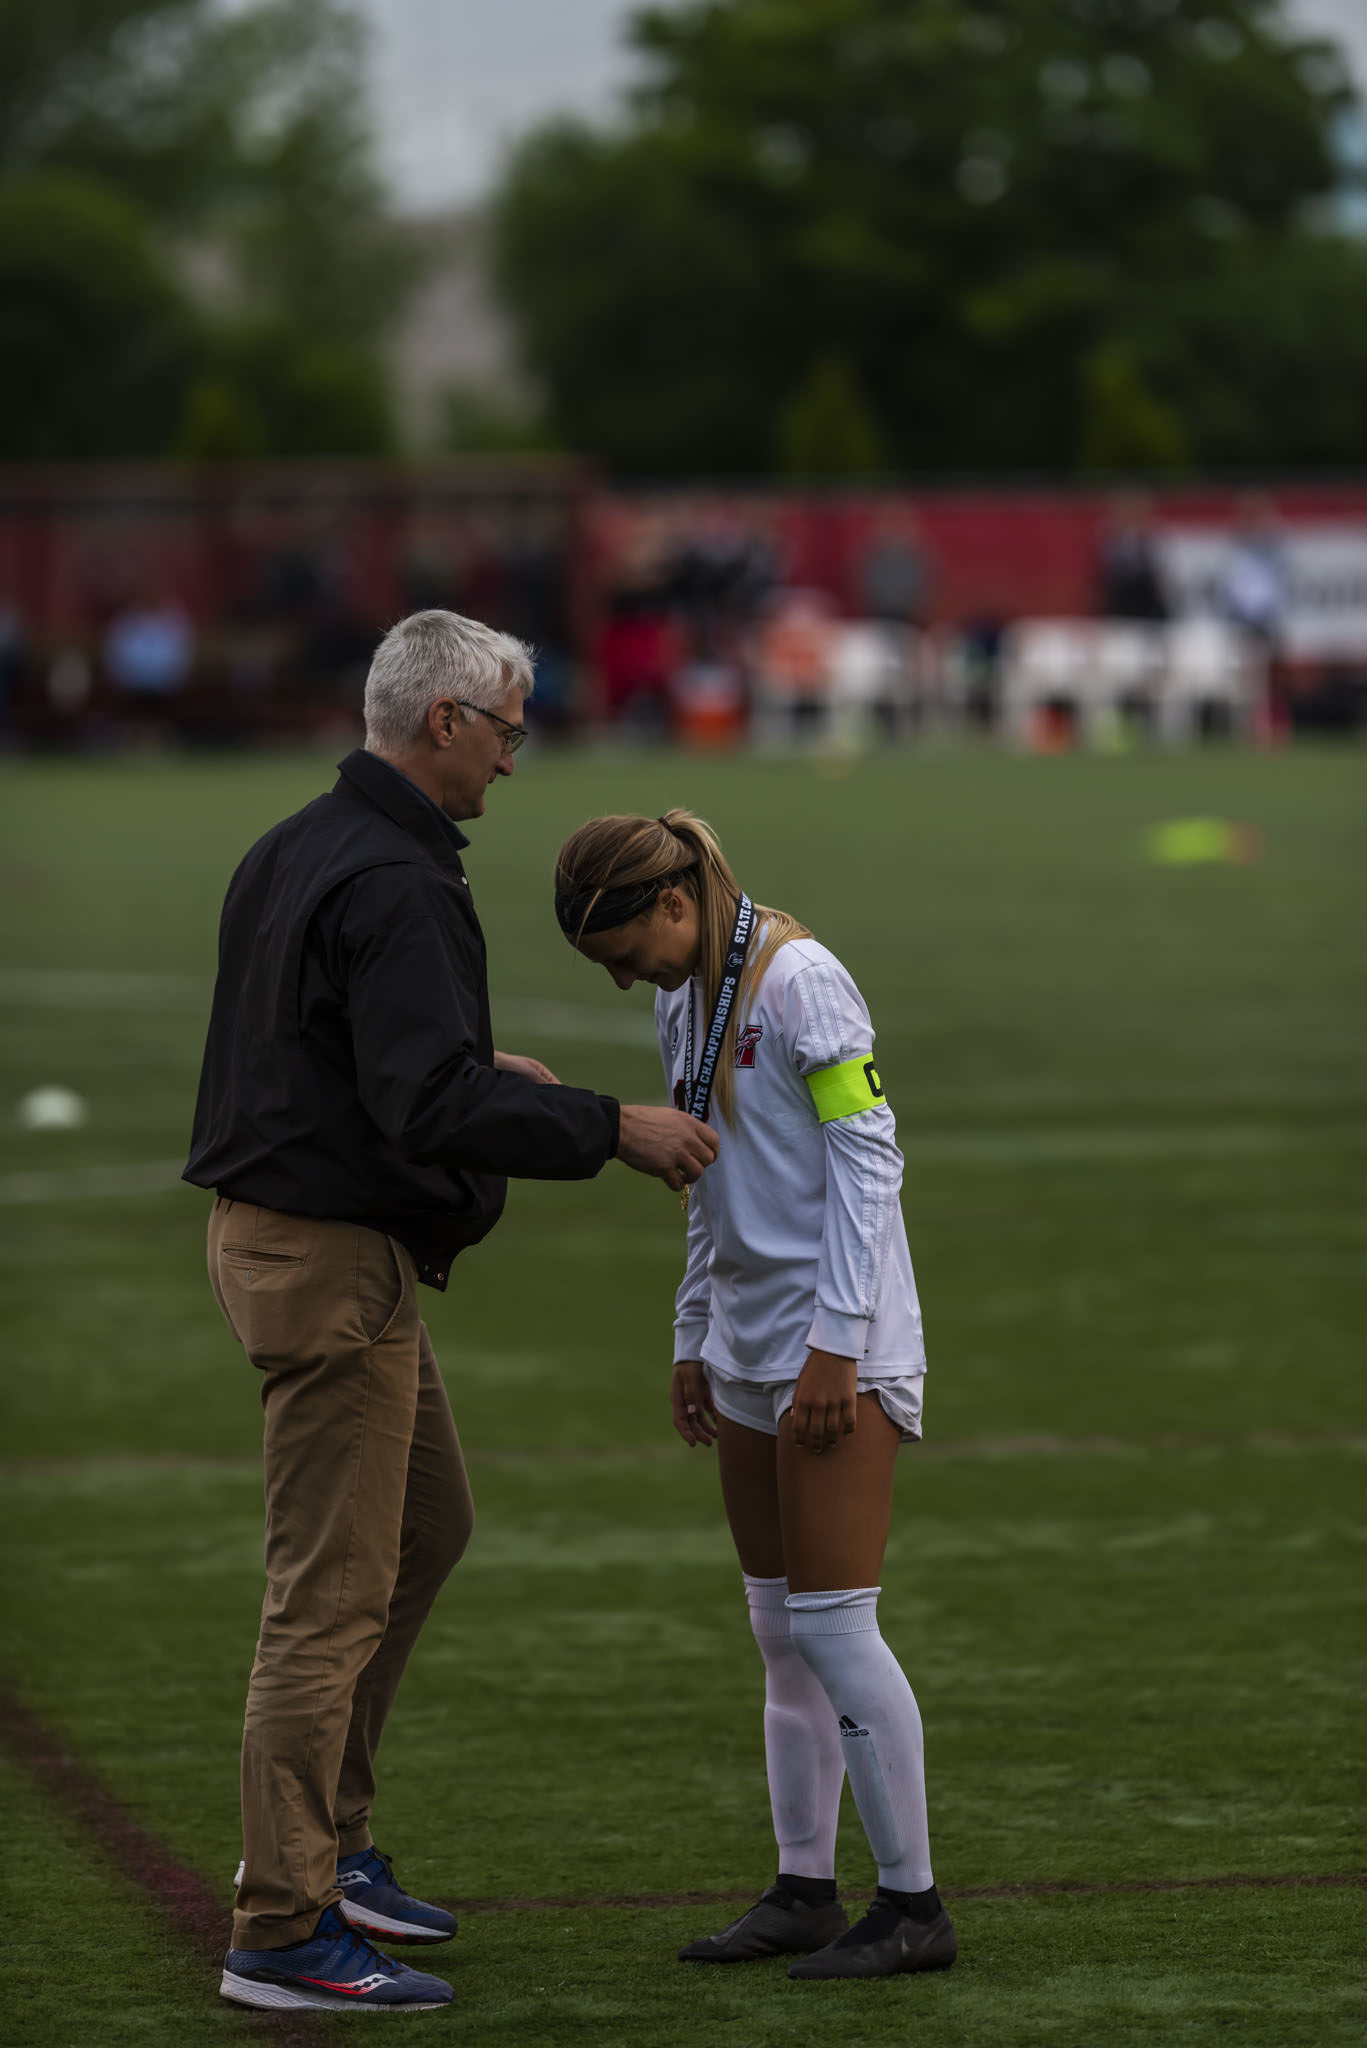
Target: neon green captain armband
point(845, 1090)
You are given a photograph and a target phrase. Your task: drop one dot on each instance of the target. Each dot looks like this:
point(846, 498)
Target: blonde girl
point(798, 1351)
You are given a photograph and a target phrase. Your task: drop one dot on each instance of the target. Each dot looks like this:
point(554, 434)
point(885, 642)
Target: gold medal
point(684, 1193)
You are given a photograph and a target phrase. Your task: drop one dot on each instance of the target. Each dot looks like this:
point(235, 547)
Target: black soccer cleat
point(778, 1925)
point(885, 1943)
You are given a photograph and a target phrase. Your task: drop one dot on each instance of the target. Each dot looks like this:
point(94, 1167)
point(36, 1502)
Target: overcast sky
point(455, 80)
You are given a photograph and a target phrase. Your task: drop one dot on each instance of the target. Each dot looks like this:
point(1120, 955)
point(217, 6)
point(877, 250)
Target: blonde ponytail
point(676, 850)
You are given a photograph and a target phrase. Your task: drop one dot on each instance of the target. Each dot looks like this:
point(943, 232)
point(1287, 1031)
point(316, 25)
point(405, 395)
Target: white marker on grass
point(52, 1109)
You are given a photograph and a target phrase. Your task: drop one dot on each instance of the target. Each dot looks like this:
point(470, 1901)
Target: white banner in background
point(1325, 572)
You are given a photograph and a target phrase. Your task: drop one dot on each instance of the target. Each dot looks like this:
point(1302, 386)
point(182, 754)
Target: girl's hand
point(824, 1405)
point(690, 1397)
point(530, 1069)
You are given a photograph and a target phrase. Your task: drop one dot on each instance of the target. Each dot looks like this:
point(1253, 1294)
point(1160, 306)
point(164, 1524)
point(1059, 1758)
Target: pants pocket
point(381, 1284)
point(254, 1267)
point(272, 1301)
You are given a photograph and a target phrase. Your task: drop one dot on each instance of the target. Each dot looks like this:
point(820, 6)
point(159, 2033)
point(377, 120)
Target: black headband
point(604, 910)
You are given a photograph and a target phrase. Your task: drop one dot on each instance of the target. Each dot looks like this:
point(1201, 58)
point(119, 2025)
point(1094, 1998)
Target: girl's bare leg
point(748, 1461)
point(835, 1505)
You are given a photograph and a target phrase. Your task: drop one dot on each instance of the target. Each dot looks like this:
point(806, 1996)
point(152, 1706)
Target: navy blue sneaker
point(334, 1970)
point(374, 1903)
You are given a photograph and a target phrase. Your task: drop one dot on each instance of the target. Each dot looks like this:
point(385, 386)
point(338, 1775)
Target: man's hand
point(672, 1145)
point(530, 1069)
point(690, 1397)
point(824, 1404)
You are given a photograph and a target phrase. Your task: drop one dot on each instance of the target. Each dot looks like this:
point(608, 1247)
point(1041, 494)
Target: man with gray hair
point(358, 1128)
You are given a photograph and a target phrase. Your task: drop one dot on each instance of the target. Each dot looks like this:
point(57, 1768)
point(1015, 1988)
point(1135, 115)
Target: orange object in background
point(1053, 729)
point(794, 653)
point(708, 701)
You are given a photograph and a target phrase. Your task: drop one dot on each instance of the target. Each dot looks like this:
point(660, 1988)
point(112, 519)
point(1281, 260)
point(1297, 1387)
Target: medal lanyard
point(698, 1093)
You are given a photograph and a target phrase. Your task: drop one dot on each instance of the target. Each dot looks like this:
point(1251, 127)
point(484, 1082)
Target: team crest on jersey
point(746, 1043)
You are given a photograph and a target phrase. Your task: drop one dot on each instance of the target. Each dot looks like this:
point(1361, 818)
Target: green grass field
point(1123, 1573)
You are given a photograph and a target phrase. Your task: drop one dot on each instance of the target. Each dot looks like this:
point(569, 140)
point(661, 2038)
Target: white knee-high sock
point(802, 1748)
point(880, 1726)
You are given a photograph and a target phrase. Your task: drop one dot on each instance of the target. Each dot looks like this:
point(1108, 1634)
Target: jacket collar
point(391, 791)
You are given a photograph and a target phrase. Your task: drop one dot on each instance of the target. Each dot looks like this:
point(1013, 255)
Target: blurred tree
point(275, 389)
point(1036, 233)
point(478, 421)
point(219, 422)
point(1122, 426)
point(1267, 344)
point(827, 429)
point(95, 337)
point(240, 141)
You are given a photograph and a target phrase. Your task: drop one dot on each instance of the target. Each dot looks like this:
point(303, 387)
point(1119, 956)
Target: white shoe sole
point(366, 1922)
point(276, 1997)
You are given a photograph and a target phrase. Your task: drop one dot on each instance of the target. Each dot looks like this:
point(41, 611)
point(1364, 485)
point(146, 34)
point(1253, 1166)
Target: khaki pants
point(367, 1509)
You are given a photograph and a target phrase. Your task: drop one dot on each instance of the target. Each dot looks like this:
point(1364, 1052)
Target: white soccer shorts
point(763, 1405)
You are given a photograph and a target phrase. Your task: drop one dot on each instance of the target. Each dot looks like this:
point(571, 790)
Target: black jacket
point(349, 1069)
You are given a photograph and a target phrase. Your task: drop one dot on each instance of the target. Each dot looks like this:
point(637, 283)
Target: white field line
point(580, 1022)
point(1113, 1144)
point(79, 1183)
point(61, 988)
point(594, 1024)
point(987, 1449)
point(50, 988)
point(1097, 1146)
point(1261, 1443)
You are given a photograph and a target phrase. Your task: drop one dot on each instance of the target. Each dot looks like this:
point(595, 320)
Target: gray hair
point(437, 654)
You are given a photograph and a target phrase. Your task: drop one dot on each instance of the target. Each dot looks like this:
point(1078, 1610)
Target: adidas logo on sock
point(849, 1727)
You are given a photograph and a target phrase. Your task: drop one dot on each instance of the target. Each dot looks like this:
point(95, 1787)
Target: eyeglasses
point(511, 735)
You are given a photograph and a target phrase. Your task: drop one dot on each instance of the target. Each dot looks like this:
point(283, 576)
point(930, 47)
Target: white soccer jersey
point(795, 1235)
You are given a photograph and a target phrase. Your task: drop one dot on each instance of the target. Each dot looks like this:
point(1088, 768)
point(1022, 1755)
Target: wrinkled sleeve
point(693, 1302)
point(413, 978)
point(825, 1024)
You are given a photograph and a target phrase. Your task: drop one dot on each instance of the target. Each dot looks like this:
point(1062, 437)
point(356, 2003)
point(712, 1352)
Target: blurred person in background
point(1255, 592)
point(357, 1126)
point(149, 656)
point(1128, 573)
point(429, 564)
point(894, 572)
point(798, 1349)
point(792, 666)
point(536, 608)
point(15, 663)
point(880, 667)
point(721, 575)
point(638, 646)
point(1255, 588)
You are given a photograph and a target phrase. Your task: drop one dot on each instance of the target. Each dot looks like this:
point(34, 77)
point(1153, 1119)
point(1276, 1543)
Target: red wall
point(1004, 553)
point(68, 539)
